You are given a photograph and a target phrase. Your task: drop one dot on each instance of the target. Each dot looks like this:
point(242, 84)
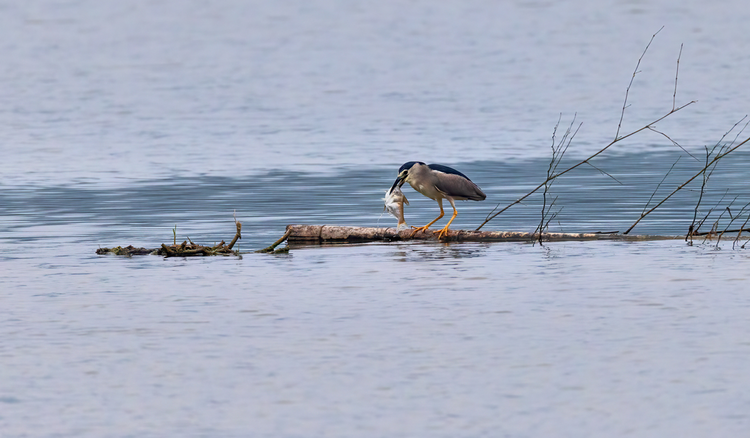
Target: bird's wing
point(457, 186)
point(446, 169)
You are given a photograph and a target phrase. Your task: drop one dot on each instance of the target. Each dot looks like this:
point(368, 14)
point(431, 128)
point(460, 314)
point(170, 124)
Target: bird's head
point(403, 174)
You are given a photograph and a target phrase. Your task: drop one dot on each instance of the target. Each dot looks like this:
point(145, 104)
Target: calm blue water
point(122, 121)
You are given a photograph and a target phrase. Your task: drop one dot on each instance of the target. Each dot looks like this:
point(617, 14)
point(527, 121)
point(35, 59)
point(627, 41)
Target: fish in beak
point(394, 204)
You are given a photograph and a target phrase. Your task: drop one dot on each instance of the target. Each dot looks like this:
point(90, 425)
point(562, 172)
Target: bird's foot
point(418, 229)
point(443, 233)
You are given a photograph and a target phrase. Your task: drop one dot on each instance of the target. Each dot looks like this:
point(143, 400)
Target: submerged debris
point(129, 250)
point(184, 249)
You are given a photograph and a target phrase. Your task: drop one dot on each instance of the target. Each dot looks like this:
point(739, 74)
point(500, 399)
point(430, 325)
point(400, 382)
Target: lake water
point(122, 121)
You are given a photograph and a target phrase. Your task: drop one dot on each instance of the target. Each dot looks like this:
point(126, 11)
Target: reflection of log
point(340, 234)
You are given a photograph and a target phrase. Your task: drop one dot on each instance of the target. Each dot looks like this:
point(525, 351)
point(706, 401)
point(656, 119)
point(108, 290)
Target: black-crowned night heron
point(438, 182)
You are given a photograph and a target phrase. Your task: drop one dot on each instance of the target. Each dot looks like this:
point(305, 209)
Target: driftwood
point(317, 234)
point(272, 247)
point(184, 249)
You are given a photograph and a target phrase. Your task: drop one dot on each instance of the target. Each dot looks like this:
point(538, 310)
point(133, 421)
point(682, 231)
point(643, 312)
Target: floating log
point(312, 234)
point(333, 234)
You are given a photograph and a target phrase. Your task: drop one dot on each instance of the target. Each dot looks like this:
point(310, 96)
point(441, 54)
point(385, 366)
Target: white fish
point(394, 204)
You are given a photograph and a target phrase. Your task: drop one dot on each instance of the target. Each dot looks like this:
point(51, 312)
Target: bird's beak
point(398, 183)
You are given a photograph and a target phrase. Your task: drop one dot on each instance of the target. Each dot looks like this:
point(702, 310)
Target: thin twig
point(605, 173)
point(554, 215)
point(673, 142)
point(236, 236)
point(707, 175)
point(711, 210)
point(692, 228)
point(659, 185)
point(543, 225)
point(715, 226)
point(558, 152)
point(491, 216)
point(739, 232)
point(731, 219)
point(677, 72)
point(632, 78)
point(703, 233)
point(681, 186)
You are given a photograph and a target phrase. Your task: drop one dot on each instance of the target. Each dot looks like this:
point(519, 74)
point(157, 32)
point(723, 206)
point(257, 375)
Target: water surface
point(124, 121)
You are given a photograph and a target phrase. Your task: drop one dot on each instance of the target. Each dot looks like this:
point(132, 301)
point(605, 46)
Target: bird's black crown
point(408, 165)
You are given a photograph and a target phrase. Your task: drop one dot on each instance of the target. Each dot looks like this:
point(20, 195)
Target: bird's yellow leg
point(424, 228)
point(444, 231)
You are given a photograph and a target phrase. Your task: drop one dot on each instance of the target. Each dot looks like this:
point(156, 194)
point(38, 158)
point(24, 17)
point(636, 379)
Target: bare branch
point(677, 73)
point(494, 213)
point(707, 175)
point(681, 186)
point(731, 219)
point(604, 173)
point(558, 151)
point(673, 142)
point(739, 232)
point(632, 78)
point(659, 185)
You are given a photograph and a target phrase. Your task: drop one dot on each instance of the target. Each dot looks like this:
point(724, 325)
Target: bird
point(438, 182)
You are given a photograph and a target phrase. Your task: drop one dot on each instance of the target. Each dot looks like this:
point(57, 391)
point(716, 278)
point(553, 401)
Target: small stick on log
point(739, 232)
point(167, 251)
point(236, 236)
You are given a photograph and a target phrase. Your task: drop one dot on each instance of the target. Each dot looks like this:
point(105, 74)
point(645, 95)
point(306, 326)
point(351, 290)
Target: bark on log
point(311, 234)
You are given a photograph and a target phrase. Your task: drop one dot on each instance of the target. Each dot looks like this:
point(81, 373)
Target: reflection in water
point(441, 252)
